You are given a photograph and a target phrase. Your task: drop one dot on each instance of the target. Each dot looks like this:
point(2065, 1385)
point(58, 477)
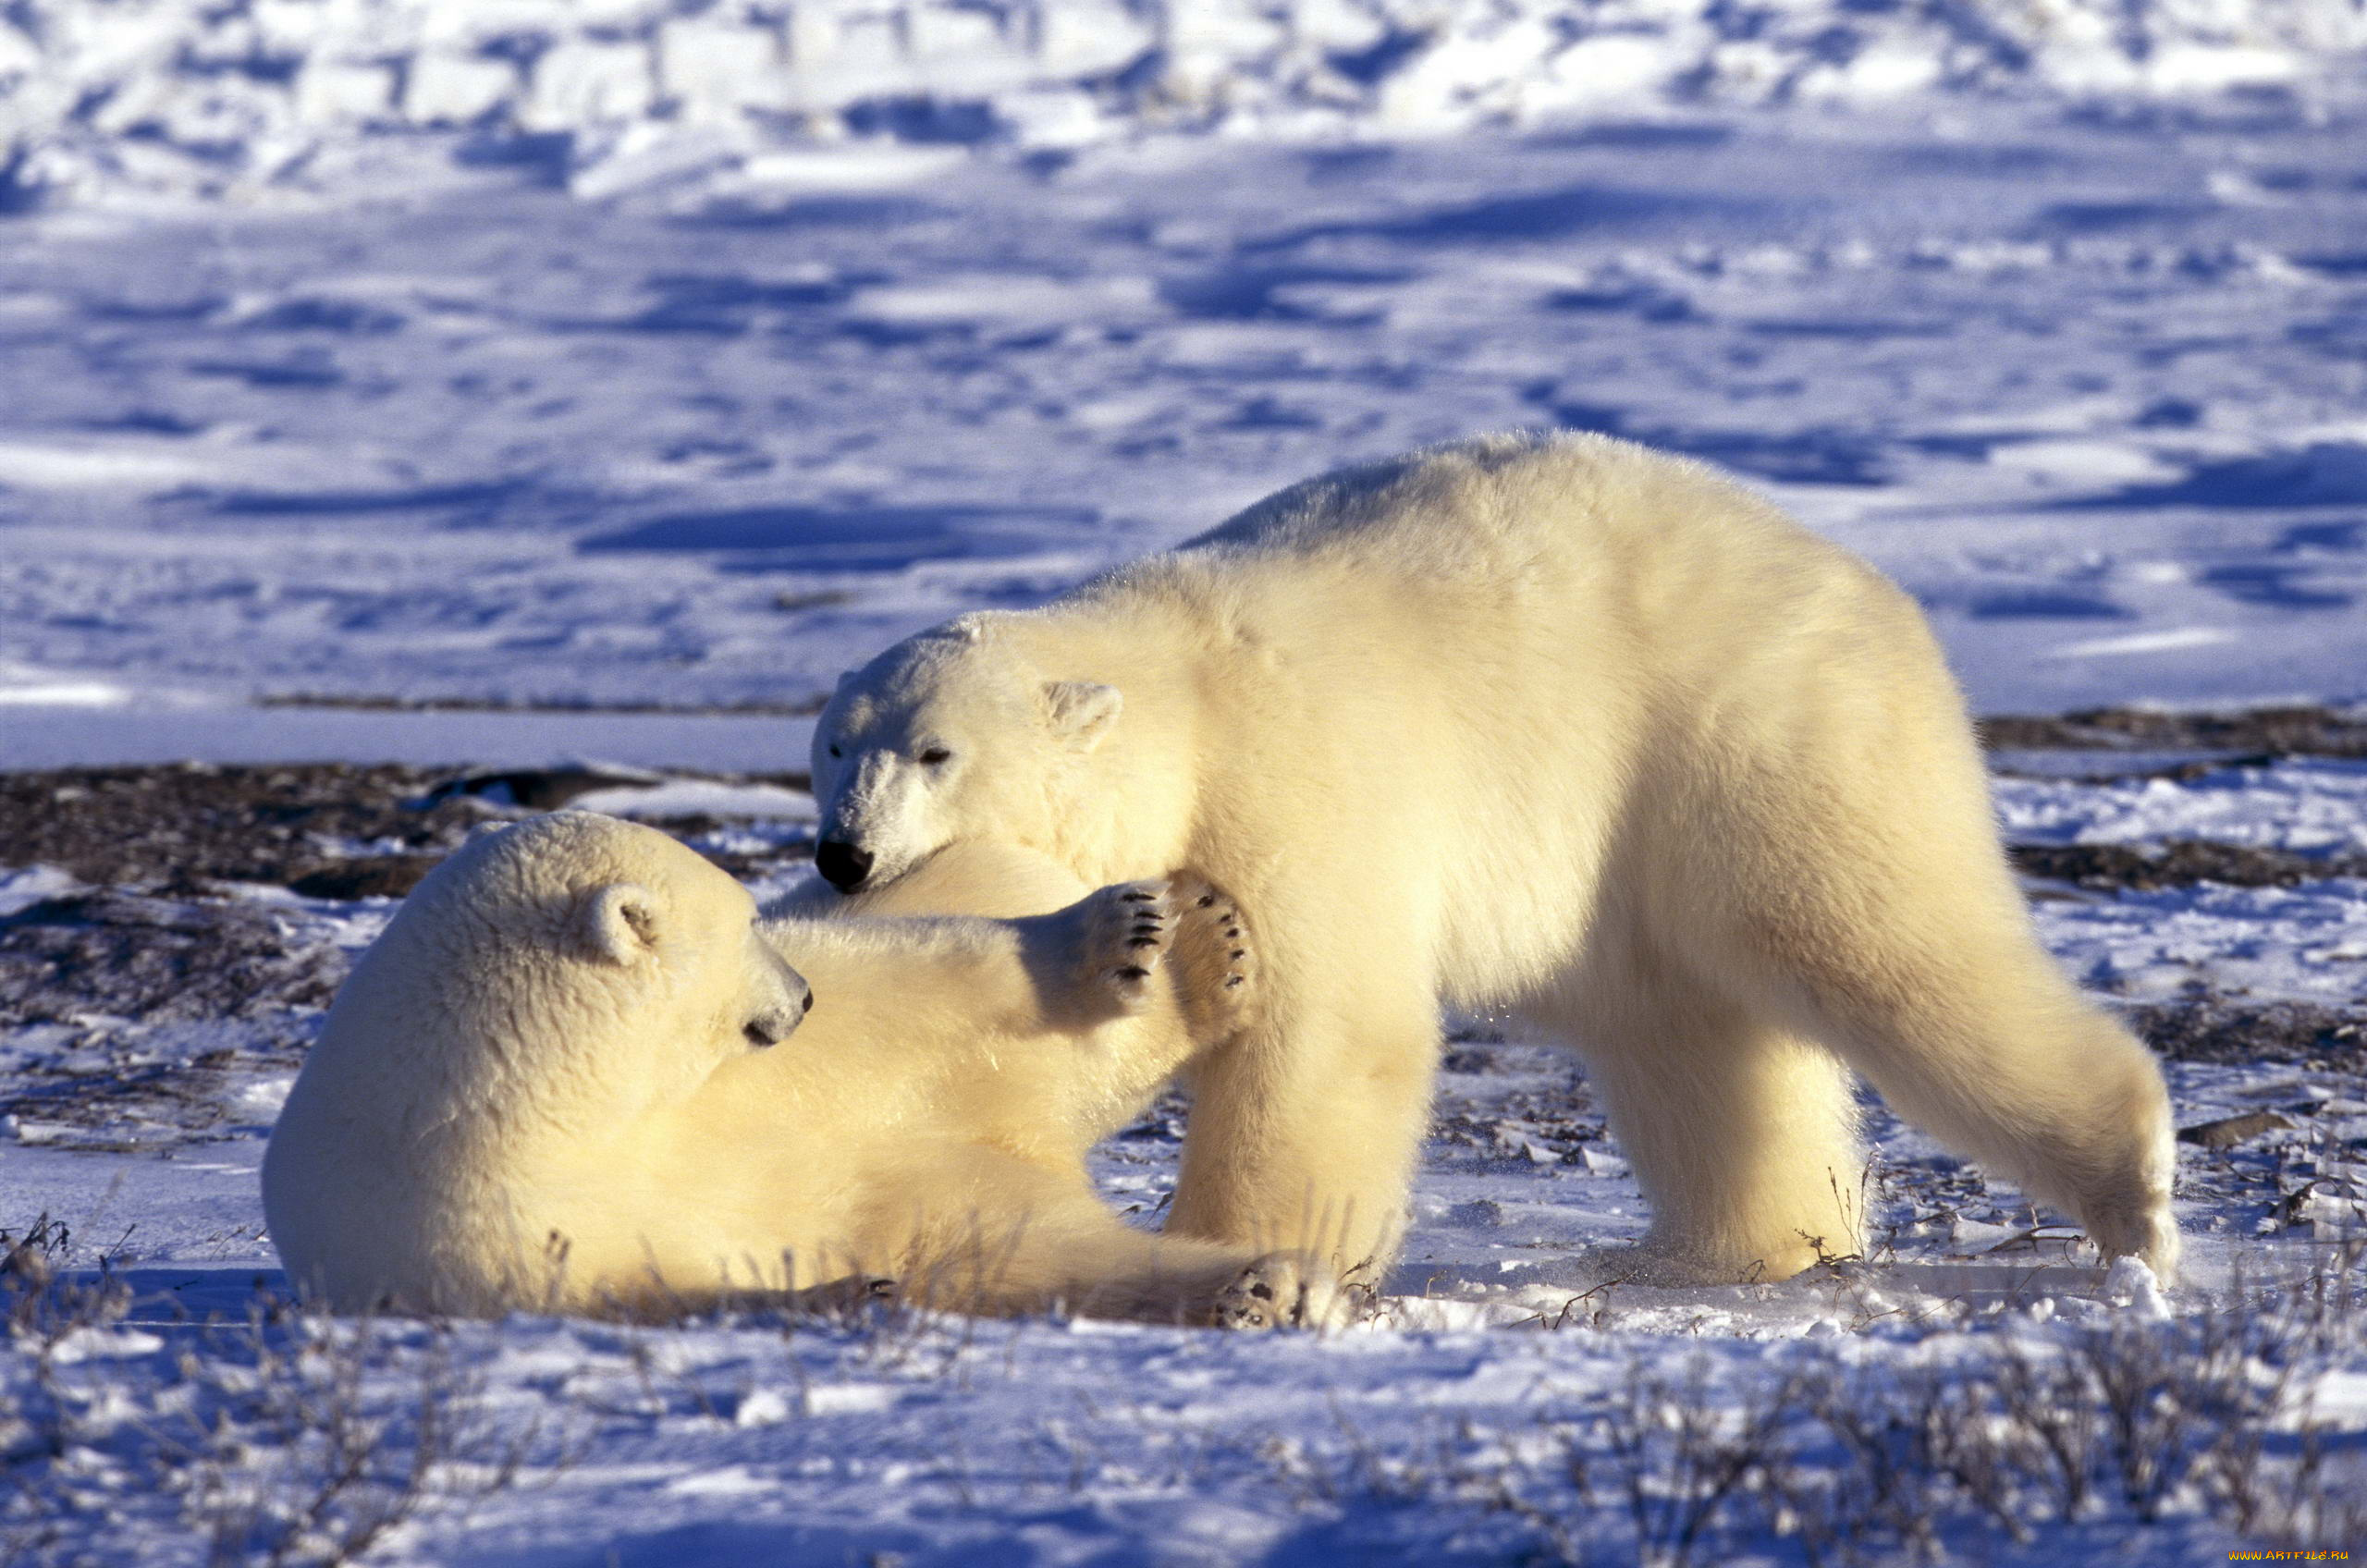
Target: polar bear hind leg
point(1894, 933)
point(1742, 1135)
point(1975, 1037)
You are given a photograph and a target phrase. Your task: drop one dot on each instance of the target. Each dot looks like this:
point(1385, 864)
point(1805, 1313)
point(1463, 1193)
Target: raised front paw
point(1129, 930)
point(1215, 961)
point(1289, 1290)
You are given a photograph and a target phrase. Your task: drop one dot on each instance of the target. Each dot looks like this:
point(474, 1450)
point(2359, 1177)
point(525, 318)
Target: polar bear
point(1583, 733)
point(565, 1078)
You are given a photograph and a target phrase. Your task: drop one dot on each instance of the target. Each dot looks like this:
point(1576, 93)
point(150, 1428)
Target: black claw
point(1134, 972)
point(1238, 952)
point(1144, 942)
point(1262, 1291)
point(1232, 983)
point(1207, 899)
point(1233, 930)
point(1138, 898)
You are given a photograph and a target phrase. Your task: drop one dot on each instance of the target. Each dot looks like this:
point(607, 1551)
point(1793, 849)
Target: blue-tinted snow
point(501, 375)
point(491, 441)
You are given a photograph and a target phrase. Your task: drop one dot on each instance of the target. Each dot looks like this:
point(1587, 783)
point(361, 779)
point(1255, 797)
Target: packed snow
point(2087, 384)
point(481, 387)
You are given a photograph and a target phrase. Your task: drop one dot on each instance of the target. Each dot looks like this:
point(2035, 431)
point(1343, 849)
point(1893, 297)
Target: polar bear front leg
point(1214, 963)
point(1306, 1123)
point(978, 1230)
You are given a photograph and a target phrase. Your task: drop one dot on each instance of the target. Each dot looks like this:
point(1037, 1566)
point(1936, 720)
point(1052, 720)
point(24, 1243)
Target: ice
point(21, 687)
point(253, 95)
point(22, 889)
point(689, 797)
point(446, 87)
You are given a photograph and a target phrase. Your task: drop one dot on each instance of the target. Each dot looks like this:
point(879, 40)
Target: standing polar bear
point(564, 1079)
point(1552, 725)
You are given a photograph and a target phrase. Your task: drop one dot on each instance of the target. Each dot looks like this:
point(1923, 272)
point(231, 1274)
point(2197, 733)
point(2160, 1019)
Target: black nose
point(841, 865)
point(775, 1024)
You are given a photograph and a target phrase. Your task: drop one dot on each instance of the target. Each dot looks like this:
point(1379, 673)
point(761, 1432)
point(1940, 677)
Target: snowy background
point(390, 390)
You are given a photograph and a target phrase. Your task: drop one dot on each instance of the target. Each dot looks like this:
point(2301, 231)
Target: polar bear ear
point(1081, 710)
point(619, 922)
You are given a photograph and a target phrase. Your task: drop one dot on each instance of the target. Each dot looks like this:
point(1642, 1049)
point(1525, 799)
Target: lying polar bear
point(1582, 732)
point(565, 1078)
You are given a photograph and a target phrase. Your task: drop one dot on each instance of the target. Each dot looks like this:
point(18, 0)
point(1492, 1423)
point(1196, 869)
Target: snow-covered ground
point(260, 99)
point(1503, 1407)
point(463, 371)
point(2088, 382)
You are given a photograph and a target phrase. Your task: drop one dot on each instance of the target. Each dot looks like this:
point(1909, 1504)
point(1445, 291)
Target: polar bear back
point(1482, 665)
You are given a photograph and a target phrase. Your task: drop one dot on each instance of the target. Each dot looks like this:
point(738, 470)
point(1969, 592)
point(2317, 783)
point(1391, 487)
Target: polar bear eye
point(935, 754)
point(835, 751)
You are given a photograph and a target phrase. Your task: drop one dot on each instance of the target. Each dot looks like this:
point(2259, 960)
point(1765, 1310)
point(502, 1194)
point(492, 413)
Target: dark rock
point(184, 826)
point(2178, 864)
point(156, 960)
point(2272, 731)
point(2229, 1130)
point(2214, 1029)
point(540, 788)
point(375, 877)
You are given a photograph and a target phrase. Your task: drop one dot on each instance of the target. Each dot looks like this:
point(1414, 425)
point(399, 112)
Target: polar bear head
point(948, 735)
point(543, 991)
point(575, 950)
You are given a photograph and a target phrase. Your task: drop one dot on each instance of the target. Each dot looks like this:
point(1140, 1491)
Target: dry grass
point(283, 1440)
point(1968, 1444)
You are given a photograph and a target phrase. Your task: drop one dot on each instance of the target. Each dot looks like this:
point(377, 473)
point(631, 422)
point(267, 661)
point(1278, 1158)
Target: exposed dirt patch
point(803, 707)
point(156, 960)
point(329, 830)
point(130, 1014)
point(175, 828)
point(2218, 1029)
point(2179, 862)
point(1543, 1123)
point(2234, 1131)
point(2269, 732)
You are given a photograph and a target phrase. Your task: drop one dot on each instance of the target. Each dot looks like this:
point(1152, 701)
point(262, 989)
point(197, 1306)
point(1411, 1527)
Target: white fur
point(538, 1091)
point(1562, 726)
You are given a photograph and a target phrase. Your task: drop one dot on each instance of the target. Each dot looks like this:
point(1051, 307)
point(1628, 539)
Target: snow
point(700, 442)
point(139, 97)
point(2306, 943)
point(2311, 805)
point(505, 383)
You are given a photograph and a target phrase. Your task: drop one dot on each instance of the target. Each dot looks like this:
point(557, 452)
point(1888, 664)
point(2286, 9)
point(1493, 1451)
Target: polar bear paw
point(1289, 1290)
point(1129, 930)
point(1215, 961)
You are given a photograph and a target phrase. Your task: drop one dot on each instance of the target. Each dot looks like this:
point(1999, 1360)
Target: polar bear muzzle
point(778, 1020)
point(842, 864)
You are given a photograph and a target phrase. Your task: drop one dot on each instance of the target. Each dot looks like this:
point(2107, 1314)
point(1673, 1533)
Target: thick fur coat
point(1554, 726)
point(577, 1074)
